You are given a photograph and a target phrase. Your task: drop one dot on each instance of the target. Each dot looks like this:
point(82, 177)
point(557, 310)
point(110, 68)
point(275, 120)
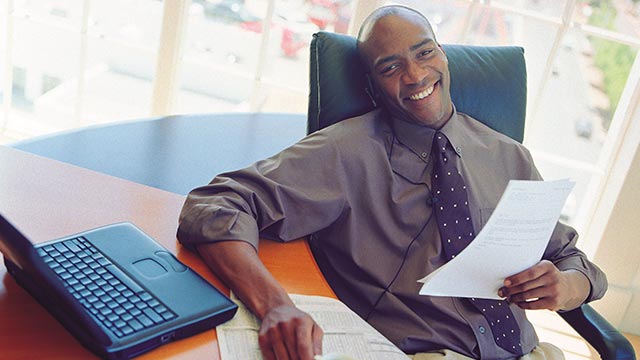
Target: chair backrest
point(488, 83)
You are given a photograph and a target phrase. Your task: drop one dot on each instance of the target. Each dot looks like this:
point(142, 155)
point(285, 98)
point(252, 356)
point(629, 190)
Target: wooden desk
point(173, 153)
point(47, 199)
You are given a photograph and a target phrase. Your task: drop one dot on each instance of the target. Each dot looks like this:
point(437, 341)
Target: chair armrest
point(599, 333)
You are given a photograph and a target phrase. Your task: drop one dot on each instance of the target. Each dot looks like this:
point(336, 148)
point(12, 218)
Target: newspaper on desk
point(513, 240)
point(344, 332)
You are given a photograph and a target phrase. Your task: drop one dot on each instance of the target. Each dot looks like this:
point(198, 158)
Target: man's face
point(410, 69)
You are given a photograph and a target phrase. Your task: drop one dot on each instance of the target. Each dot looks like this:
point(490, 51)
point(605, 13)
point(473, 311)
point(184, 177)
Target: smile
point(423, 94)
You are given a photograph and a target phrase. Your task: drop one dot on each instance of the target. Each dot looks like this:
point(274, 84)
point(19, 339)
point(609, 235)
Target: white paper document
point(513, 240)
point(345, 332)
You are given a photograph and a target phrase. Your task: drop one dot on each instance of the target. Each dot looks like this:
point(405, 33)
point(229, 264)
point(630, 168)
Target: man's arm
point(286, 332)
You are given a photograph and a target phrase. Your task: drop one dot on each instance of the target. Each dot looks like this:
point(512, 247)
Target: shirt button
point(482, 329)
point(458, 150)
point(424, 154)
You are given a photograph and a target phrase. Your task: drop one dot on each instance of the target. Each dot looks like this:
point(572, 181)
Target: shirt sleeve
point(562, 251)
point(290, 195)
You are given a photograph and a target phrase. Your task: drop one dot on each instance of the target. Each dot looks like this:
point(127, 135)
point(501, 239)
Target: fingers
point(288, 333)
point(317, 339)
point(535, 288)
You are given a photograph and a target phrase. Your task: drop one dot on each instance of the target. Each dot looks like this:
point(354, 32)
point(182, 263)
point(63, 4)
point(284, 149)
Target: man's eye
point(425, 52)
point(389, 69)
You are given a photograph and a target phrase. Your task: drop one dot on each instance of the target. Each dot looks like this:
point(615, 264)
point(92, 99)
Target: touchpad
point(149, 268)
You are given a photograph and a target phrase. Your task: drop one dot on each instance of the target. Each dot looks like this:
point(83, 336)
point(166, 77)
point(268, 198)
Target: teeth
point(422, 95)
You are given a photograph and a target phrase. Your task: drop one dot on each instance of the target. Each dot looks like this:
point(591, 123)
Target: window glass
point(553, 8)
point(122, 45)
point(577, 105)
point(574, 210)
point(619, 16)
point(285, 85)
point(447, 17)
point(54, 12)
point(221, 55)
point(41, 50)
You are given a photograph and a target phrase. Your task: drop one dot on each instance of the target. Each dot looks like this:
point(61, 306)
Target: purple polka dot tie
point(451, 207)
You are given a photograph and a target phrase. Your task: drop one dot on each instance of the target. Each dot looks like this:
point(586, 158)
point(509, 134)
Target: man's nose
point(414, 73)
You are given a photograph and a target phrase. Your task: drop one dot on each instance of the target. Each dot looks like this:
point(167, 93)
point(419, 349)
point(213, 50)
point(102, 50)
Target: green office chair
point(488, 83)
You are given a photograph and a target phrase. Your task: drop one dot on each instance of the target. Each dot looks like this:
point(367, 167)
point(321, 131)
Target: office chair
point(488, 83)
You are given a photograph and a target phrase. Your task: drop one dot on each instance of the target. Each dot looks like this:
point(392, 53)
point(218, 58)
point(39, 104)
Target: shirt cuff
point(215, 224)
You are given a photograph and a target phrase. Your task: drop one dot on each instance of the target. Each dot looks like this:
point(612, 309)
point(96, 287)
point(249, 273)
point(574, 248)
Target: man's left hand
point(544, 286)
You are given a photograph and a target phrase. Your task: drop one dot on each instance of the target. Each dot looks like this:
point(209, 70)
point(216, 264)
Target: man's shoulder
point(366, 127)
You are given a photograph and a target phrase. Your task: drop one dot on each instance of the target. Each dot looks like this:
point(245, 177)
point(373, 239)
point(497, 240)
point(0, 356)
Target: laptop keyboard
point(111, 296)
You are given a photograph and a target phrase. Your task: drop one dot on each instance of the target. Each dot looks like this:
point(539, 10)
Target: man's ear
point(444, 52)
point(371, 90)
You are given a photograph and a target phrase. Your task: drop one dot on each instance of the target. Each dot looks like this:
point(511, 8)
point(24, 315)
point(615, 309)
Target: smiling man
point(368, 190)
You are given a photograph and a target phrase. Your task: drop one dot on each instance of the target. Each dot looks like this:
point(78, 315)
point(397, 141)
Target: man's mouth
point(423, 94)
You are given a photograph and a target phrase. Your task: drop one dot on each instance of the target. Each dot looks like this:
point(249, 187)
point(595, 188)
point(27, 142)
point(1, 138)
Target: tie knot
point(440, 142)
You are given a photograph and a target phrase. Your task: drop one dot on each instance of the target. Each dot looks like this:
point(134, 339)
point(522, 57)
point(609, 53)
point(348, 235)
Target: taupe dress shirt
point(362, 188)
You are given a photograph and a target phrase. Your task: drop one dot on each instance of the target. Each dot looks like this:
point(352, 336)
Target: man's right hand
point(289, 333)
point(286, 333)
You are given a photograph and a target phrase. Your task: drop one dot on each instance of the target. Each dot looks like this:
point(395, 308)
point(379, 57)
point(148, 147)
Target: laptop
point(114, 288)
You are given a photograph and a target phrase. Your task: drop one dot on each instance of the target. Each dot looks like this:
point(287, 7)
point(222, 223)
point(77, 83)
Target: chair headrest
point(488, 83)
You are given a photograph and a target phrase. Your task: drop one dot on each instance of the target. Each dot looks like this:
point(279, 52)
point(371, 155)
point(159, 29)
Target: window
point(68, 63)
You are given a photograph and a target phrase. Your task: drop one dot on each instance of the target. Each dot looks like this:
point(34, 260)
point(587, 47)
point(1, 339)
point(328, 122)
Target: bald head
point(378, 15)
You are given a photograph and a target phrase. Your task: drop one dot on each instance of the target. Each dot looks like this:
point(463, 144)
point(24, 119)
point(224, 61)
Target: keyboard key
point(60, 247)
point(119, 324)
point(119, 311)
point(124, 278)
point(152, 315)
point(99, 305)
point(136, 325)
point(145, 320)
point(112, 304)
point(167, 315)
point(72, 246)
point(127, 330)
point(105, 311)
point(160, 309)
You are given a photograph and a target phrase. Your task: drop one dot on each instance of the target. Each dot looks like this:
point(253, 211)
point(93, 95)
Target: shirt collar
point(420, 137)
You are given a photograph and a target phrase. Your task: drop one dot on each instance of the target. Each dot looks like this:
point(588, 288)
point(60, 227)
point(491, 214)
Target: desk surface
point(49, 199)
point(174, 153)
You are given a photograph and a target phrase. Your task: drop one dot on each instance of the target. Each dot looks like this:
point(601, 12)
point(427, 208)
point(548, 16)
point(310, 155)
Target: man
point(364, 188)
